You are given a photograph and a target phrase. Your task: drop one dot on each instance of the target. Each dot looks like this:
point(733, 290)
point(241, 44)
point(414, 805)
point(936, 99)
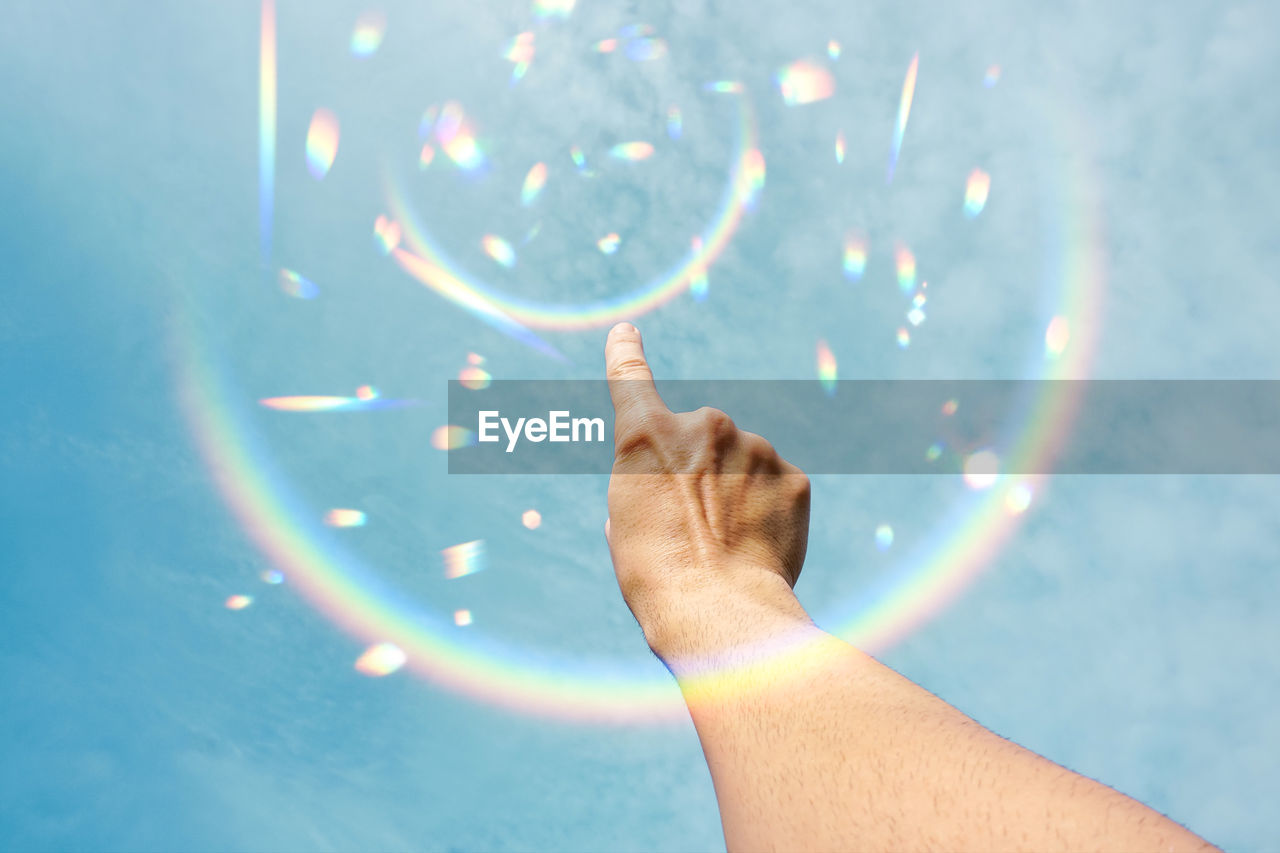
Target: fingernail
point(627, 327)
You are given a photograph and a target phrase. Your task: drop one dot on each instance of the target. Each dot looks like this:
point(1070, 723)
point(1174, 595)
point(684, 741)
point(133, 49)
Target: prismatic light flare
point(826, 368)
point(322, 143)
point(381, 659)
point(975, 192)
point(534, 181)
point(904, 112)
point(632, 151)
point(804, 82)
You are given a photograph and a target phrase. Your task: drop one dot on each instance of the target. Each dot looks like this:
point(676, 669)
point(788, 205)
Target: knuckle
point(758, 447)
point(714, 421)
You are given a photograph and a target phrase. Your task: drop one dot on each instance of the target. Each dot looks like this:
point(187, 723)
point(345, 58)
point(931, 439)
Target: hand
point(707, 526)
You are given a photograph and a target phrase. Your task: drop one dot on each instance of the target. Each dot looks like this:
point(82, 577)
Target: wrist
point(734, 624)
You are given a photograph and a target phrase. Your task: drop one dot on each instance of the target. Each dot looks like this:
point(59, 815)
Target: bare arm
point(812, 744)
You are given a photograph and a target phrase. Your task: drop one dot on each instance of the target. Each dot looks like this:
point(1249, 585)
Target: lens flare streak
point(266, 126)
point(320, 403)
point(904, 112)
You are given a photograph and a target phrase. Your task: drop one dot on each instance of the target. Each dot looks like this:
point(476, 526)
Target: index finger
point(630, 380)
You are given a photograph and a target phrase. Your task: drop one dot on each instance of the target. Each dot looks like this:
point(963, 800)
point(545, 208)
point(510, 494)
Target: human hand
point(707, 526)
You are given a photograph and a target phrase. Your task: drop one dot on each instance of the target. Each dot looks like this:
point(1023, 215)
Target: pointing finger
point(630, 380)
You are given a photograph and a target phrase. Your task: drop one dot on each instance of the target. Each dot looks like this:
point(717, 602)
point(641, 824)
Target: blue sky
point(1125, 630)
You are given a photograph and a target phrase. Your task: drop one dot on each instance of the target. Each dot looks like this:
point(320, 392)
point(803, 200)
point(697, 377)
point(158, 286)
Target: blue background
point(1126, 631)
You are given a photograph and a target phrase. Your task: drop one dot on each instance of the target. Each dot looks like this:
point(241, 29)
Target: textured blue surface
point(1127, 630)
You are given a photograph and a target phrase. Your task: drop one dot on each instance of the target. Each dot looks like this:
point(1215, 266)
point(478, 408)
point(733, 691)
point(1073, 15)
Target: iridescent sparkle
point(855, 255)
point(498, 249)
point(381, 659)
point(464, 559)
point(1056, 336)
point(534, 181)
point(975, 192)
point(804, 82)
point(906, 265)
point(297, 286)
point(609, 243)
point(981, 469)
point(366, 38)
point(826, 368)
point(675, 123)
point(450, 437)
point(345, 518)
point(322, 143)
point(632, 151)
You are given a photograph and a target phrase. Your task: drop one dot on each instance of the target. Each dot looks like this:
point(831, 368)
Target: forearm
point(815, 745)
point(812, 744)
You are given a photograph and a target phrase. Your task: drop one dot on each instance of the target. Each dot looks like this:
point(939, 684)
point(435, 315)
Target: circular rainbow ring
point(358, 600)
point(427, 262)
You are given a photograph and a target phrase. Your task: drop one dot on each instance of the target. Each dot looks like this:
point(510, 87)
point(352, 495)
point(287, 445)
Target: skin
point(812, 745)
